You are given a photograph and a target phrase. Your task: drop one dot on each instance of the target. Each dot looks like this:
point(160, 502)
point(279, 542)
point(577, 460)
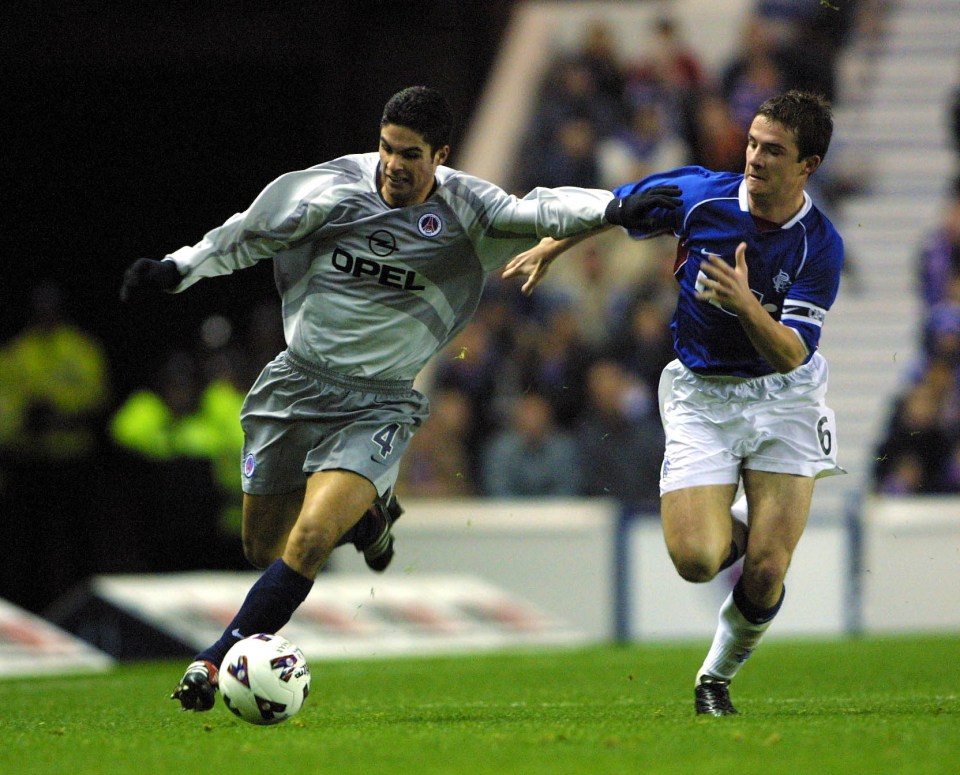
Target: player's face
point(774, 172)
point(407, 166)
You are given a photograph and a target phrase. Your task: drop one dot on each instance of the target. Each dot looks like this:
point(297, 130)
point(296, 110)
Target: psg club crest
point(430, 225)
point(249, 465)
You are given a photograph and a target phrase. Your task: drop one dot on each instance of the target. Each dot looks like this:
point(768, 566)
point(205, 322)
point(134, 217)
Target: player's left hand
point(724, 285)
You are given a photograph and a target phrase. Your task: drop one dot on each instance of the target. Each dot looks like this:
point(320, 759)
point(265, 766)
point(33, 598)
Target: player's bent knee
point(695, 559)
point(258, 554)
point(766, 574)
point(696, 568)
point(309, 546)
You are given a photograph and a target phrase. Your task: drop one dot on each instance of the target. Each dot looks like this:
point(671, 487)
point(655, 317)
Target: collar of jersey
point(745, 206)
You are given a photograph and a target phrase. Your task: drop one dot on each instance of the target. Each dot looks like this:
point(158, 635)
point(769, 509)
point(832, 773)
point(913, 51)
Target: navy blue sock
point(268, 606)
point(732, 557)
point(753, 613)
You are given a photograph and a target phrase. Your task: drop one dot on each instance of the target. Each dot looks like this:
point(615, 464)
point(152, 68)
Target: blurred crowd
point(556, 395)
point(95, 479)
point(920, 450)
point(545, 396)
point(604, 116)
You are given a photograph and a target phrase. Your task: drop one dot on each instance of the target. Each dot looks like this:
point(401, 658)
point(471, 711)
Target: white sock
point(739, 508)
point(734, 641)
point(738, 545)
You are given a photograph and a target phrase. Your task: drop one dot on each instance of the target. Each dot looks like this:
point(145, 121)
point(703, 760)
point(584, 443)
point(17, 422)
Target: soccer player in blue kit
point(380, 259)
point(758, 267)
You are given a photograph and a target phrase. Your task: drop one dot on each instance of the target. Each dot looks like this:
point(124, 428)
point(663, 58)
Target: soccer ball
point(264, 679)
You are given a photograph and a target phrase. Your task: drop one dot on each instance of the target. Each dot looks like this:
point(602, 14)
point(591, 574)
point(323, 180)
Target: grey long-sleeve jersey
point(372, 291)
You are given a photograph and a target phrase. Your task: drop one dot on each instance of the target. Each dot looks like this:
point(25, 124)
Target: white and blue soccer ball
point(264, 679)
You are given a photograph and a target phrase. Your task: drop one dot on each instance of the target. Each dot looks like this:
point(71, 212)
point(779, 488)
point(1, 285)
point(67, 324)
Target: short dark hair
point(424, 110)
point(808, 115)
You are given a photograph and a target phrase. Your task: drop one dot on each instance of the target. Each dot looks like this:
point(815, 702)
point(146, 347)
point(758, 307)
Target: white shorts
point(716, 426)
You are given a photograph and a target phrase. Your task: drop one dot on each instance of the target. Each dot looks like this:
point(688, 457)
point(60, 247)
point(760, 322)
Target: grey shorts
point(298, 419)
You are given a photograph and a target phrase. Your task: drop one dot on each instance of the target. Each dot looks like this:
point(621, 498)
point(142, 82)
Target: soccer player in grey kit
point(380, 259)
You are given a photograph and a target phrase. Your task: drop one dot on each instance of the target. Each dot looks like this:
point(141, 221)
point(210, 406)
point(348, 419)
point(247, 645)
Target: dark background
point(130, 129)
point(133, 128)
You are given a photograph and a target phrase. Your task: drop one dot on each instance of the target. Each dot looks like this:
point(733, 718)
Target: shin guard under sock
point(268, 606)
point(739, 630)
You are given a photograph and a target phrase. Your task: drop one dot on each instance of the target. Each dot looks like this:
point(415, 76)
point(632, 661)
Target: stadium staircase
point(897, 122)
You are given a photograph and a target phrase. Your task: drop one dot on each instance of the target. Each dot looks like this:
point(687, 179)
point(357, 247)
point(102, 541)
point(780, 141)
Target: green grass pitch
point(872, 705)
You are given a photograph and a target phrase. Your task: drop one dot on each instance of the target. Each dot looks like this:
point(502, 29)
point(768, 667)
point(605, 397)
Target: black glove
point(631, 211)
point(144, 277)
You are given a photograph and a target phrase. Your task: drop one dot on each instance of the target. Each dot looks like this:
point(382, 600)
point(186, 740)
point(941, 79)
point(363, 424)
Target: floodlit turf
point(874, 706)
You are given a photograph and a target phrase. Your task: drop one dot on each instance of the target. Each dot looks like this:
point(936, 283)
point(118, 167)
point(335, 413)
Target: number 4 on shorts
point(383, 438)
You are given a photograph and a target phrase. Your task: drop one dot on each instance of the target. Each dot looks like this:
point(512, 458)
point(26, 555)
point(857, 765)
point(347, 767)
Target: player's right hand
point(145, 277)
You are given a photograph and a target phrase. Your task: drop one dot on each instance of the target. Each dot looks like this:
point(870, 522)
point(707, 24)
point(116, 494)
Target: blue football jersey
point(794, 269)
